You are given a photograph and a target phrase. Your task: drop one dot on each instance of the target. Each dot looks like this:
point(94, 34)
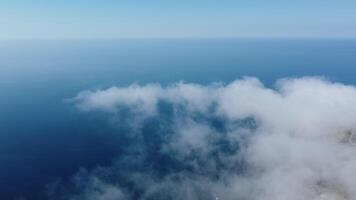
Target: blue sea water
point(44, 139)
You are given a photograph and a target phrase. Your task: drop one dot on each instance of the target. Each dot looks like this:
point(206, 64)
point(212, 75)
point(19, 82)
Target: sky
point(80, 19)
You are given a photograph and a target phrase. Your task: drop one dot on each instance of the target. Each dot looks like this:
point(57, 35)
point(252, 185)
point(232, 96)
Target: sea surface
point(44, 138)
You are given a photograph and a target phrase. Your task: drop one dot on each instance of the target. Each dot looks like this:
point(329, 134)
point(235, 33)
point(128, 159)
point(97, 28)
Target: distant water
point(44, 139)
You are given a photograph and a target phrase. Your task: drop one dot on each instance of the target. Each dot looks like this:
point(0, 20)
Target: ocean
point(45, 139)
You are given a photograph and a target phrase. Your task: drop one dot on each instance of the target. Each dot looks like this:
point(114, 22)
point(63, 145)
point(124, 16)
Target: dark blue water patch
point(34, 156)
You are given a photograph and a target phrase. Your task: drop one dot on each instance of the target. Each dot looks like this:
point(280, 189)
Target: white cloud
point(302, 147)
point(141, 99)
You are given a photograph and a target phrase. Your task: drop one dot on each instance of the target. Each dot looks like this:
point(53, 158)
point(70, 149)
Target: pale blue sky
point(57, 19)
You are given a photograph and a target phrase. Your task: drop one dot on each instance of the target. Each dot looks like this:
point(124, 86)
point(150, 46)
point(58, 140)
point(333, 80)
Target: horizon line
point(182, 38)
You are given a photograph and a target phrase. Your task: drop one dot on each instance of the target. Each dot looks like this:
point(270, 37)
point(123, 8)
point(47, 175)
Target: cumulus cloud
point(240, 140)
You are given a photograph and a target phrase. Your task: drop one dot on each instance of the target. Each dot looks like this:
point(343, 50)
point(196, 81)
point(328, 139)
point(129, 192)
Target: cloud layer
point(236, 141)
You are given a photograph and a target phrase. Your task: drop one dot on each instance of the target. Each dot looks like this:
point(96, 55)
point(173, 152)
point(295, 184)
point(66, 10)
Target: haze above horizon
point(111, 19)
